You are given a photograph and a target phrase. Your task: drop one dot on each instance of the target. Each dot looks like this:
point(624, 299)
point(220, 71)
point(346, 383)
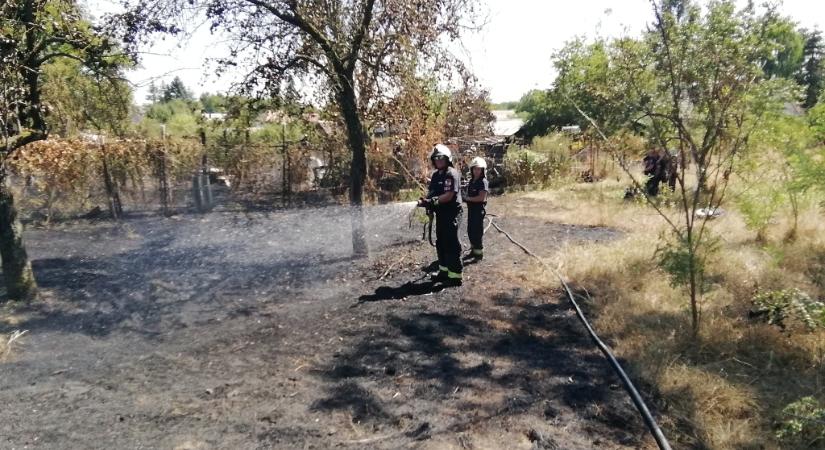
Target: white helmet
point(478, 161)
point(441, 151)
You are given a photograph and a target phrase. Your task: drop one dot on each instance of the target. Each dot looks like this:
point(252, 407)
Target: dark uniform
point(653, 171)
point(447, 217)
point(659, 168)
point(475, 215)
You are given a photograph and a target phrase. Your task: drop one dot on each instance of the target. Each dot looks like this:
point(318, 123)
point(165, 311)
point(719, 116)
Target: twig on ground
point(372, 439)
point(386, 272)
point(14, 336)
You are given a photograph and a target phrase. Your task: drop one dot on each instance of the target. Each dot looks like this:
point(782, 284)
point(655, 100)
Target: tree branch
point(13, 143)
point(299, 22)
point(359, 36)
point(48, 56)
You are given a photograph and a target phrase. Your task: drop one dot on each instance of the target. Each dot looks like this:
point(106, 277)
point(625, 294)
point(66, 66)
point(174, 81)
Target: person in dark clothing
point(670, 169)
point(444, 198)
point(653, 171)
point(476, 200)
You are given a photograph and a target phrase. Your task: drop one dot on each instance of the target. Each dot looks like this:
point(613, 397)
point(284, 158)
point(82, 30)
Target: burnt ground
point(245, 330)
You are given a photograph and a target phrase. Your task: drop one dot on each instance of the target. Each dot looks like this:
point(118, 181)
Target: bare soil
point(242, 330)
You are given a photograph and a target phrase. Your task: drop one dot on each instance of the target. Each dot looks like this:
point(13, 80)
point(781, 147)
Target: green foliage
point(163, 112)
point(802, 424)
point(758, 206)
point(547, 160)
point(778, 169)
point(179, 117)
point(779, 306)
point(212, 103)
point(685, 260)
point(84, 101)
point(812, 75)
point(584, 80)
point(34, 35)
point(785, 54)
point(183, 125)
point(504, 106)
point(816, 118)
point(176, 90)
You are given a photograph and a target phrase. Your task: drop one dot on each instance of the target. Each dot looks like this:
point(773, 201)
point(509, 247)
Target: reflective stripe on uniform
point(442, 269)
point(453, 275)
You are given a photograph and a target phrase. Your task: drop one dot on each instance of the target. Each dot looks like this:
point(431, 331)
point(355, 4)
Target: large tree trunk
point(17, 271)
point(358, 170)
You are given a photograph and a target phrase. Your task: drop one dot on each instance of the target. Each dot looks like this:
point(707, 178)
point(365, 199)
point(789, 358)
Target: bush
point(803, 424)
point(779, 306)
point(545, 161)
point(758, 207)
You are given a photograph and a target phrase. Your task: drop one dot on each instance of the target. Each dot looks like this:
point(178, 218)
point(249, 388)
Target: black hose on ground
point(660, 438)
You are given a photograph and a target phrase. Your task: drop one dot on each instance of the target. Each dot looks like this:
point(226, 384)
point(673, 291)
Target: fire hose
point(650, 422)
point(429, 227)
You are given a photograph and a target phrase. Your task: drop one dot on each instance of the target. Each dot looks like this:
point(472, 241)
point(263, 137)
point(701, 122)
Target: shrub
point(779, 306)
point(803, 424)
point(545, 161)
point(758, 207)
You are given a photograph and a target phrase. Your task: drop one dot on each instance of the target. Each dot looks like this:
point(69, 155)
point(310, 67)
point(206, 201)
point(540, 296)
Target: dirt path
point(240, 331)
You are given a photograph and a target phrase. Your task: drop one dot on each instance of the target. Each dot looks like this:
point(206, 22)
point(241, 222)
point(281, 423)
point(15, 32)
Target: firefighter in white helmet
point(476, 200)
point(444, 198)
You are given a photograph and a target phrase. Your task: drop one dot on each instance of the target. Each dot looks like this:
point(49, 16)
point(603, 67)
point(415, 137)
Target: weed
point(802, 424)
point(777, 307)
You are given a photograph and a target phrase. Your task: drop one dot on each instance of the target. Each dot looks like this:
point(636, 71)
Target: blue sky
point(510, 56)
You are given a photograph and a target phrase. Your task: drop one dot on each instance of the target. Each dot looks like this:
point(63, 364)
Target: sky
point(511, 55)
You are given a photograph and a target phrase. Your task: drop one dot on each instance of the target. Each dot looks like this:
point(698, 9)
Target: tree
point(417, 115)
point(696, 85)
point(812, 75)
point(80, 100)
point(468, 111)
point(154, 93)
point(583, 79)
point(213, 103)
point(350, 52)
point(546, 111)
point(176, 90)
point(785, 46)
point(34, 33)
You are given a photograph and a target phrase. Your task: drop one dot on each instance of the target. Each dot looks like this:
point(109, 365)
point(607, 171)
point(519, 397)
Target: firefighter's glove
point(434, 202)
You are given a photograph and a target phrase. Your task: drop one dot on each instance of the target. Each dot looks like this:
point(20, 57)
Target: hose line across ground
point(660, 438)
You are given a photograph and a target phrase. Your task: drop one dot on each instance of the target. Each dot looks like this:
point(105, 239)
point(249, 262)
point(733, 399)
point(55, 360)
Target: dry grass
point(725, 388)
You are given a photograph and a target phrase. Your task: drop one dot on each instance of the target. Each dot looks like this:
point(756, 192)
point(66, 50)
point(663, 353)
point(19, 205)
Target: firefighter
point(444, 198)
point(476, 200)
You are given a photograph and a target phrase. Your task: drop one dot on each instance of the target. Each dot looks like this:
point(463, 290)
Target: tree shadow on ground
point(530, 357)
